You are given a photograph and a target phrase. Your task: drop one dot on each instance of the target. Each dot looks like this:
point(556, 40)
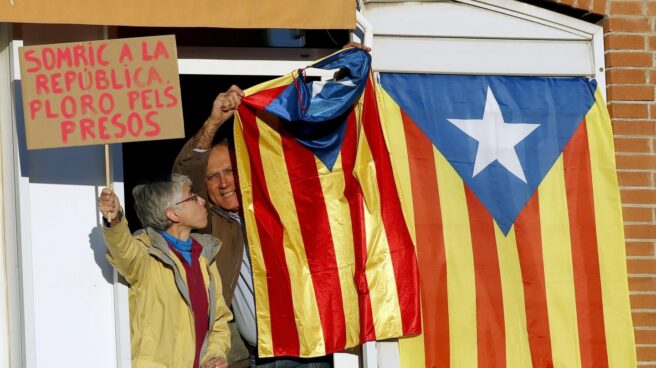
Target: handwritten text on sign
point(98, 92)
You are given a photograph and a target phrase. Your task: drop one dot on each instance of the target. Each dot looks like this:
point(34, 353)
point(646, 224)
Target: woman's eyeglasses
point(192, 197)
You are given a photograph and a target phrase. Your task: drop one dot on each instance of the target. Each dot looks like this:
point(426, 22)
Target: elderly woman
point(178, 317)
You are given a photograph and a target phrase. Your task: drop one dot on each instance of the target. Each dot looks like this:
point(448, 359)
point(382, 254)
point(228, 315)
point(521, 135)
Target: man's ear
point(172, 215)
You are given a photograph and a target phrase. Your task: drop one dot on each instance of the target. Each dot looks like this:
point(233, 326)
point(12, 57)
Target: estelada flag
point(333, 261)
point(510, 191)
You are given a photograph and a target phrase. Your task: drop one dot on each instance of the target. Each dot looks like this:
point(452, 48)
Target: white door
point(66, 308)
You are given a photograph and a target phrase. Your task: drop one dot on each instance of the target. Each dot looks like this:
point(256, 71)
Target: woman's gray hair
point(152, 200)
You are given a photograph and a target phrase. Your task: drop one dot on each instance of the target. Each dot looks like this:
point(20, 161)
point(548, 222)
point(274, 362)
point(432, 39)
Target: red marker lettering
point(144, 52)
point(144, 99)
point(86, 128)
point(135, 125)
point(115, 84)
point(100, 55)
point(68, 107)
point(158, 102)
point(64, 55)
point(119, 125)
point(150, 121)
point(86, 105)
point(78, 51)
point(41, 82)
point(102, 129)
point(133, 96)
point(35, 105)
point(101, 79)
point(126, 53)
point(168, 92)
point(55, 79)
point(153, 75)
point(69, 78)
point(67, 127)
point(28, 56)
point(160, 51)
point(49, 58)
point(137, 74)
point(106, 103)
point(49, 113)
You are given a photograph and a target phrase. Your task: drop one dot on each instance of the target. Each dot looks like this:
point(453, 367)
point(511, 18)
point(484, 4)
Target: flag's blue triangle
point(315, 112)
point(503, 153)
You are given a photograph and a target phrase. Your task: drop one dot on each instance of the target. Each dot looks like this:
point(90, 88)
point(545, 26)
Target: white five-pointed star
point(317, 86)
point(496, 138)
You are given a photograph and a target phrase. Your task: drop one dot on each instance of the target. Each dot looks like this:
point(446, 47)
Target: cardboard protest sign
point(98, 92)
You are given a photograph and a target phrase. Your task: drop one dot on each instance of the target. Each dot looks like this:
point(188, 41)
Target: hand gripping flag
point(333, 261)
point(510, 191)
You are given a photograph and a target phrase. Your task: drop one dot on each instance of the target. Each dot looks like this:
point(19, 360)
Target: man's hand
point(109, 205)
point(225, 105)
point(223, 108)
point(217, 362)
point(357, 46)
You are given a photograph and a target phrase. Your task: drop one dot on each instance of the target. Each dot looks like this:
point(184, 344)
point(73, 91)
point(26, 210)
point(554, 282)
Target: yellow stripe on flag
point(306, 311)
point(339, 217)
point(558, 268)
point(620, 342)
point(273, 83)
point(392, 123)
point(379, 269)
point(518, 352)
point(461, 282)
point(264, 337)
point(411, 350)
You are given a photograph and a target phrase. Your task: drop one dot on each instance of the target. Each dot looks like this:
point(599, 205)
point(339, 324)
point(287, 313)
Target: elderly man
point(213, 166)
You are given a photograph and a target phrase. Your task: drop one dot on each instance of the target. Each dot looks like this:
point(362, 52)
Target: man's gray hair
point(152, 200)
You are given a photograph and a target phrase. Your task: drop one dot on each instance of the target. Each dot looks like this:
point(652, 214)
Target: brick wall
point(630, 41)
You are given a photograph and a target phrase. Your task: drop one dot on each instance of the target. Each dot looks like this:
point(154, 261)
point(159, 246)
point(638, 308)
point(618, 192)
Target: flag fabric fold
point(509, 188)
point(333, 260)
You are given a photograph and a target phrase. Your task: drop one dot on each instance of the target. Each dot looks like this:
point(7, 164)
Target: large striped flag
point(333, 261)
point(508, 185)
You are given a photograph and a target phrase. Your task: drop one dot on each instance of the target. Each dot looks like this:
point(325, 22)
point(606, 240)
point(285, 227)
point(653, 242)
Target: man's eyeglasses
point(221, 174)
point(192, 197)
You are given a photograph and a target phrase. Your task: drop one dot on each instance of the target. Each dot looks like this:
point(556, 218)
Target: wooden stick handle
point(107, 179)
point(110, 215)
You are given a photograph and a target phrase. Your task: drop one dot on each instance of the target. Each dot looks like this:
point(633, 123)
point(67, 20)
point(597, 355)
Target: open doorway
point(151, 160)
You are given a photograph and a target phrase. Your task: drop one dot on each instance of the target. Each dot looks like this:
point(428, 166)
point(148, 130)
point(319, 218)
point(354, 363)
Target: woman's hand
point(217, 362)
point(109, 205)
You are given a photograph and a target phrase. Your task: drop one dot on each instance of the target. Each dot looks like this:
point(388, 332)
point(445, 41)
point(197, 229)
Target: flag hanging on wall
point(333, 260)
point(509, 188)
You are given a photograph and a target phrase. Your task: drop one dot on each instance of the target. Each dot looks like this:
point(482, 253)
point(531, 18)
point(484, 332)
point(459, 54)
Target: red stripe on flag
point(270, 230)
point(353, 194)
point(529, 248)
point(402, 250)
point(318, 244)
point(489, 297)
point(430, 245)
point(261, 100)
point(585, 256)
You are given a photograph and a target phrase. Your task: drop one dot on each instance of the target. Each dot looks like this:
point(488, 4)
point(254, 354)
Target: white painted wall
point(492, 37)
point(10, 337)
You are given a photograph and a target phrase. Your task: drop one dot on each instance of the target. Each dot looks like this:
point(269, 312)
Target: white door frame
point(11, 331)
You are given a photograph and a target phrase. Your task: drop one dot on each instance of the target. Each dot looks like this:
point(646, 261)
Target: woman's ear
point(172, 215)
